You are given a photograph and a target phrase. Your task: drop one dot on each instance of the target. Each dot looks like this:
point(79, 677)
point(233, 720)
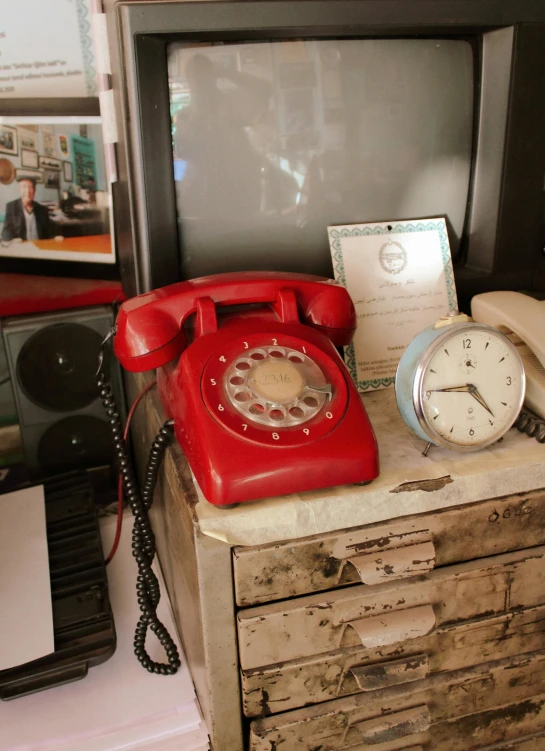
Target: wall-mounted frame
point(29, 158)
point(75, 236)
point(8, 140)
point(68, 172)
point(52, 178)
point(49, 162)
point(31, 174)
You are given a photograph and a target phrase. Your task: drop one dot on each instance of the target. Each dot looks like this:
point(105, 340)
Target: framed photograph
point(68, 172)
point(29, 158)
point(8, 140)
point(27, 137)
point(70, 198)
point(29, 174)
point(48, 141)
point(49, 162)
point(52, 178)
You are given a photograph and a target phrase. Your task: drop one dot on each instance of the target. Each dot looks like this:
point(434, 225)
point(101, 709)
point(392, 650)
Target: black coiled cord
point(531, 424)
point(143, 539)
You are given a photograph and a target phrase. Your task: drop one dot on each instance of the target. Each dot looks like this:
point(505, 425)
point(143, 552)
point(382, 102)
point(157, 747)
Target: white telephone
point(522, 319)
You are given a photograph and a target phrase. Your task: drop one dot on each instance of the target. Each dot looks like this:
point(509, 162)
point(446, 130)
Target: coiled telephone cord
point(531, 424)
point(143, 539)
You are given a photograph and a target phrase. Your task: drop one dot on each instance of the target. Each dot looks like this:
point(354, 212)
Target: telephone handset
point(261, 400)
point(522, 319)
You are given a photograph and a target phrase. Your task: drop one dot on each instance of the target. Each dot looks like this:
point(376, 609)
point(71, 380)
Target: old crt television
point(246, 128)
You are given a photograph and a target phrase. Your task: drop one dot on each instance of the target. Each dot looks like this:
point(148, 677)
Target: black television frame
point(505, 229)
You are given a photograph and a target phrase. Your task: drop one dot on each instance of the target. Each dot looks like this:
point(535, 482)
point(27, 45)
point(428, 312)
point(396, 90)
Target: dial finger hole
point(243, 365)
point(258, 355)
point(311, 401)
point(236, 380)
point(243, 396)
point(297, 412)
point(257, 409)
point(276, 353)
point(295, 358)
point(277, 414)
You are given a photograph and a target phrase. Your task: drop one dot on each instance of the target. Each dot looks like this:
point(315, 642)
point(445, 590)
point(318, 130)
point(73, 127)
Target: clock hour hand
point(462, 389)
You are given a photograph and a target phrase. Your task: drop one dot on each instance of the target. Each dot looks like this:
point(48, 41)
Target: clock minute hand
point(476, 395)
point(469, 388)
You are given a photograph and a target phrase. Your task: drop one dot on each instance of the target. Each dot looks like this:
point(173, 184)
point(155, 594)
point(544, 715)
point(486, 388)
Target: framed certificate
point(400, 278)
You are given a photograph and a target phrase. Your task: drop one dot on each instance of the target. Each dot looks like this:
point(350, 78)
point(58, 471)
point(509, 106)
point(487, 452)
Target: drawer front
point(448, 712)
point(388, 614)
point(353, 670)
point(529, 743)
point(374, 554)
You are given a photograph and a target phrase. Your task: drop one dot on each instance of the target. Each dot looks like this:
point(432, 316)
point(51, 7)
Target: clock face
point(470, 390)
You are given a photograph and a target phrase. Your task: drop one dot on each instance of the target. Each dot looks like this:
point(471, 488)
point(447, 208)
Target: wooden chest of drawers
point(419, 631)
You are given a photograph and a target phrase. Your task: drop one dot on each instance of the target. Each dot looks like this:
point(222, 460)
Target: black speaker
point(53, 359)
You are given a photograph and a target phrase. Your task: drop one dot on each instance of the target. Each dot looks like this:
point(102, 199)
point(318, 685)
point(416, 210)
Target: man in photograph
point(26, 219)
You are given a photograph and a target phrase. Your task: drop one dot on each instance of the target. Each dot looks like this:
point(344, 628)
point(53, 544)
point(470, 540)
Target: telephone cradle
point(261, 400)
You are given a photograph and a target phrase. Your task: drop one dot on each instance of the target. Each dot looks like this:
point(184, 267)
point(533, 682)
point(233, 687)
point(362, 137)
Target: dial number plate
point(276, 390)
point(471, 389)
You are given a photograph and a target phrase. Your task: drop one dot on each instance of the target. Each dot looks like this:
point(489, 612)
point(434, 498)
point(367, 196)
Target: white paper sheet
point(399, 276)
point(26, 615)
point(118, 701)
point(46, 49)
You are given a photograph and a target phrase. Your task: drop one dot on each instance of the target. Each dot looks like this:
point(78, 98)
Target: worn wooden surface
point(478, 708)
point(197, 571)
point(535, 742)
point(312, 564)
point(278, 688)
point(316, 624)
point(467, 709)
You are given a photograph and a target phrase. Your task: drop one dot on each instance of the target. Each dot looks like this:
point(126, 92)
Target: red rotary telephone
point(261, 400)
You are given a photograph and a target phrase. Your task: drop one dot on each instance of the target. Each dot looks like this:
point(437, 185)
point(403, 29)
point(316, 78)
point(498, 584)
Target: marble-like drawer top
point(409, 483)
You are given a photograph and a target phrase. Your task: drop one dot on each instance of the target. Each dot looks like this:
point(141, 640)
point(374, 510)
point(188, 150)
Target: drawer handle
point(394, 627)
point(384, 674)
point(394, 726)
point(398, 563)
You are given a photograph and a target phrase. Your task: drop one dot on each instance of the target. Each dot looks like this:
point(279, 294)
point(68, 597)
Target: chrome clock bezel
point(421, 369)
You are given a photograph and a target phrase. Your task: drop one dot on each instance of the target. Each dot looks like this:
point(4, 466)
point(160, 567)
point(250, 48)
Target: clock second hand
point(469, 388)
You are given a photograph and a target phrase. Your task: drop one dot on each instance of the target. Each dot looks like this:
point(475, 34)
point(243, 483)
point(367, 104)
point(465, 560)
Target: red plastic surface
point(22, 294)
point(232, 465)
point(236, 458)
point(149, 326)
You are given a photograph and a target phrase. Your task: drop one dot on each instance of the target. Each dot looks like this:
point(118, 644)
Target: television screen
point(274, 141)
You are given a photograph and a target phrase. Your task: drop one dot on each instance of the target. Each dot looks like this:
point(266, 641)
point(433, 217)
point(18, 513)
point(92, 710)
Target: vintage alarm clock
point(460, 384)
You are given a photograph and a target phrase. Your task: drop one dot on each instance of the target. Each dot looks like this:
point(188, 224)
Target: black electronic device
point(83, 621)
point(52, 360)
point(284, 117)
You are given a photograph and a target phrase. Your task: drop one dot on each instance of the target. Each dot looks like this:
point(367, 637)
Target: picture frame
point(50, 162)
point(68, 172)
point(33, 174)
point(9, 143)
point(29, 158)
point(52, 178)
point(27, 137)
point(78, 238)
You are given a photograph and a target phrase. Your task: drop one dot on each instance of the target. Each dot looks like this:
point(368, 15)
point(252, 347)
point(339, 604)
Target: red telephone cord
point(119, 525)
